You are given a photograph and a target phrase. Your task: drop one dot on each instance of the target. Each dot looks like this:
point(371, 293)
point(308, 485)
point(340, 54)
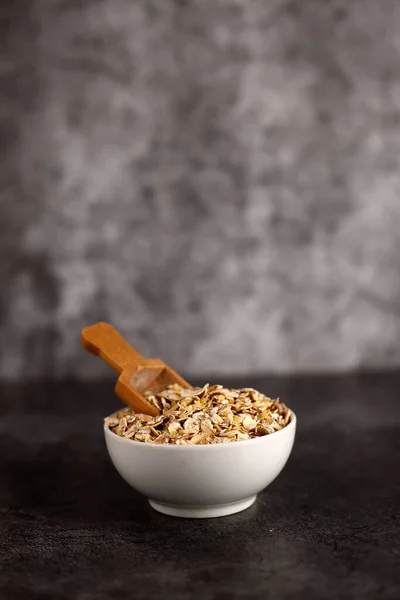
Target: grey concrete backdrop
point(218, 178)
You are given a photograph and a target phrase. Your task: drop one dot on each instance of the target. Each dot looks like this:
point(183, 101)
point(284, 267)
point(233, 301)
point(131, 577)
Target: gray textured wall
point(218, 178)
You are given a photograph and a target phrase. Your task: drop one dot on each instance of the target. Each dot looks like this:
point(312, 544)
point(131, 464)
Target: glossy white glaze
point(205, 480)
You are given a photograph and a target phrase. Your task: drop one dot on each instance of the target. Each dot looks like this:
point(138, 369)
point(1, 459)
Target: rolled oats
point(207, 415)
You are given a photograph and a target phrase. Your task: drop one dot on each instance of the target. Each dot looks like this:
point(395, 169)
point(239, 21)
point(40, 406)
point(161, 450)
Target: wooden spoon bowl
point(137, 374)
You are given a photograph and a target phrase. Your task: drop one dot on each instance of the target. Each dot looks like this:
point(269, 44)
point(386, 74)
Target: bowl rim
point(202, 447)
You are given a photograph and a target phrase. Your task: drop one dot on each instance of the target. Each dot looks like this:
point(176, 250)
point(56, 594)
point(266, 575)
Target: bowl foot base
point(202, 512)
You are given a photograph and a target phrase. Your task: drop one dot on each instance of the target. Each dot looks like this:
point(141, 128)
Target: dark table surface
point(328, 527)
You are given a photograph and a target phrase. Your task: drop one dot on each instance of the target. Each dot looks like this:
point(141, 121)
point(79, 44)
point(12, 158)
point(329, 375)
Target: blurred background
point(218, 178)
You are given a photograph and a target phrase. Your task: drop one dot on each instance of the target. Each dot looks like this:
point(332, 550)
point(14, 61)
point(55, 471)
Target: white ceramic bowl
point(205, 480)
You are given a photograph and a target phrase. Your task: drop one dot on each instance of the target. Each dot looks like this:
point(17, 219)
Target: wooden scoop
point(137, 374)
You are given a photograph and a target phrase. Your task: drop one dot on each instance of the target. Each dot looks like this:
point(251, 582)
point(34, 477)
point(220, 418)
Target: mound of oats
point(208, 415)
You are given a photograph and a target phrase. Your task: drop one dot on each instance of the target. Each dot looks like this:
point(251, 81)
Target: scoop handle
point(103, 340)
